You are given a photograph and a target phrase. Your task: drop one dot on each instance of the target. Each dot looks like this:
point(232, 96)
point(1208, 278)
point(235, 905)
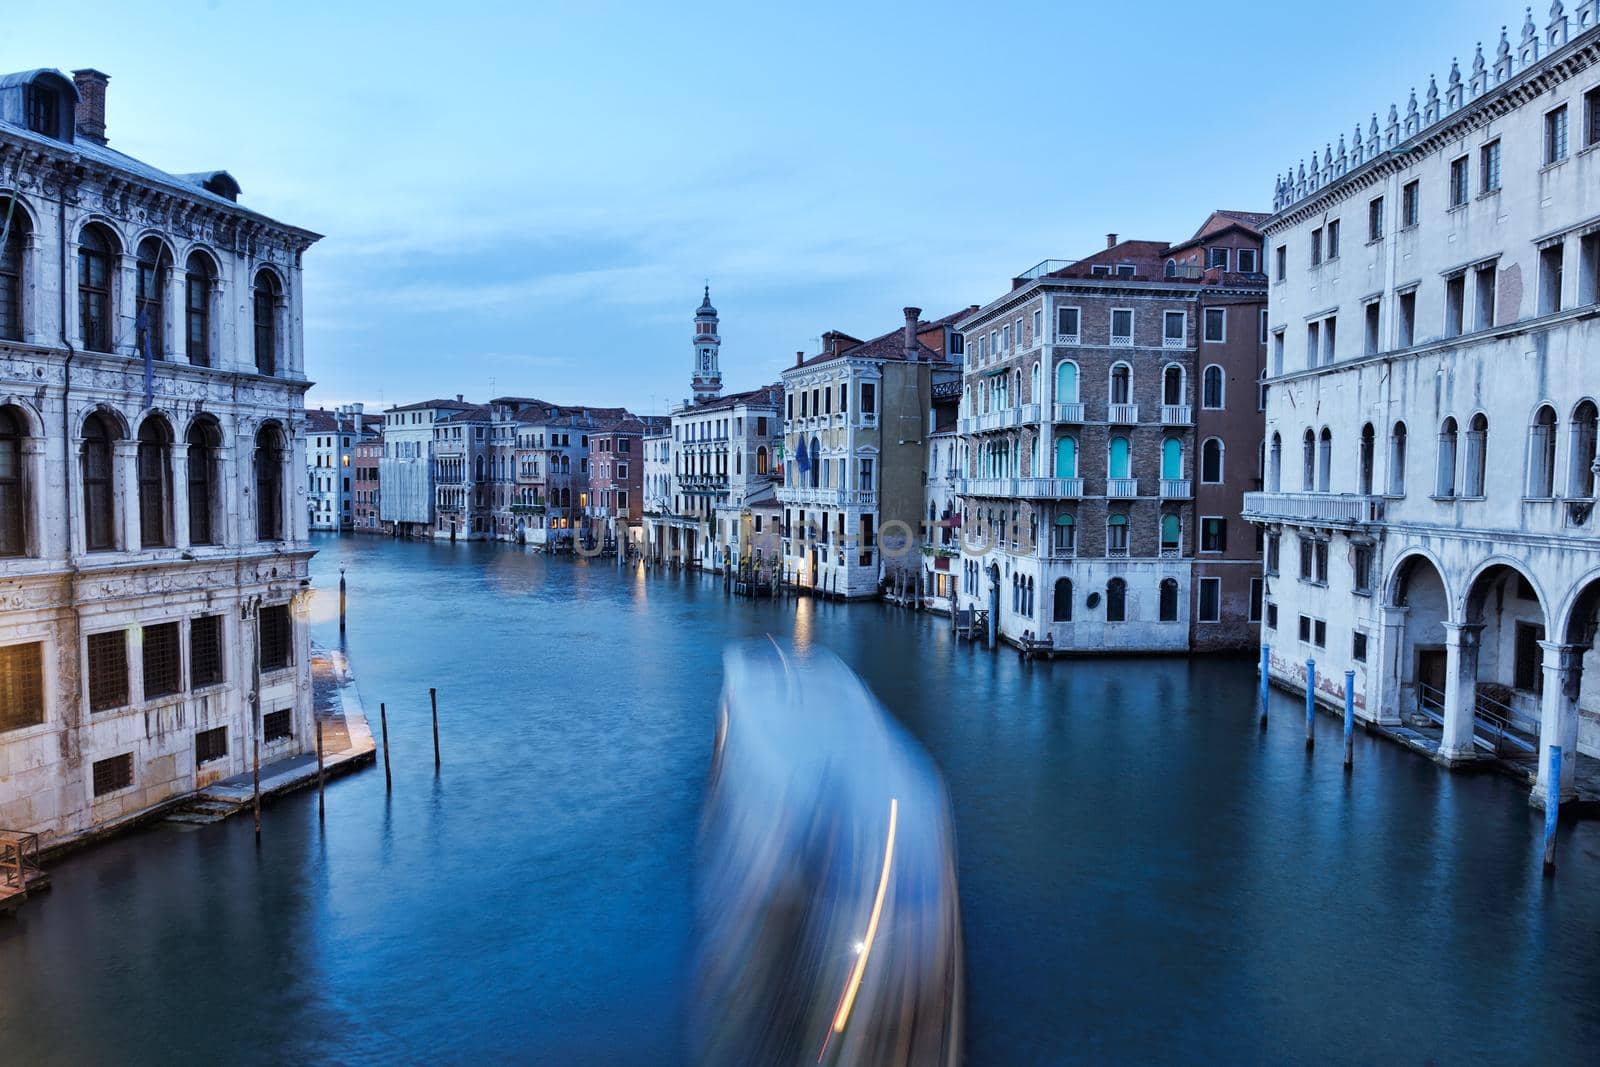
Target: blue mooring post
point(1311, 702)
point(1266, 658)
point(1552, 808)
point(1349, 716)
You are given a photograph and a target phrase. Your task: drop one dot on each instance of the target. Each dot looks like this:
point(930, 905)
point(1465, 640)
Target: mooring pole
point(1266, 659)
point(433, 699)
point(322, 807)
point(256, 776)
point(1552, 808)
point(341, 599)
point(1311, 702)
point(383, 719)
point(1349, 717)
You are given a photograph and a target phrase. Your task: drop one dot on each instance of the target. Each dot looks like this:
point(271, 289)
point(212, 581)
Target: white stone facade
point(1431, 418)
point(405, 472)
point(159, 557)
point(331, 439)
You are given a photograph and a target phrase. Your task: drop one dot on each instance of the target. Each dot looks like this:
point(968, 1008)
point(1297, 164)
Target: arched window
point(1580, 479)
point(1118, 458)
point(761, 460)
point(1171, 269)
point(1211, 462)
point(269, 460)
point(1171, 458)
point(13, 247)
point(154, 483)
point(1169, 600)
point(99, 500)
point(1477, 454)
point(1325, 461)
point(1212, 387)
point(95, 249)
point(1116, 600)
point(1308, 474)
point(1066, 383)
point(1064, 540)
point(1066, 457)
point(1061, 601)
point(266, 322)
point(203, 442)
point(1016, 594)
point(13, 517)
point(1117, 536)
point(1445, 483)
point(1542, 453)
point(1033, 385)
point(477, 469)
point(1172, 384)
point(1275, 464)
point(1171, 535)
point(1027, 598)
point(152, 268)
point(1121, 383)
point(1397, 460)
point(1364, 461)
point(197, 310)
point(816, 464)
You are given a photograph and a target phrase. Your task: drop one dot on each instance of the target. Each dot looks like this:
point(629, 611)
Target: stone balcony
point(826, 496)
point(1314, 509)
point(1050, 488)
point(1122, 414)
point(1177, 415)
point(1072, 412)
point(1122, 488)
point(1175, 489)
point(1006, 487)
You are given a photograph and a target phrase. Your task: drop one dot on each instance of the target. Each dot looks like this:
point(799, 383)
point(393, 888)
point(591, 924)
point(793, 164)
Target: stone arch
point(25, 212)
point(108, 226)
point(119, 420)
point(1480, 584)
point(25, 410)
point(1396, 585)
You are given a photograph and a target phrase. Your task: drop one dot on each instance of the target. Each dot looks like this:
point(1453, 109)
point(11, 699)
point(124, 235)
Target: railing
point(19, 861)
point(1044, 267)
point(1122, 488)
point(1173, 342)
point(1116, 552)
point(1122, 414)
point(1175, 489)
point(1189, 272)
point(1324, 508)
point(1491, 721)
point(1176, 415)
point(1072, 412)
point(828, 495)
point(1067, 338)
point(987, 487)
point(1050, 488)
point(1171, 552)
point(1121, 340)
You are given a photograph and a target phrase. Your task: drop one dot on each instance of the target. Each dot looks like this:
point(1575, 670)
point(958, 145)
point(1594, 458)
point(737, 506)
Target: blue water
point(1145, 877)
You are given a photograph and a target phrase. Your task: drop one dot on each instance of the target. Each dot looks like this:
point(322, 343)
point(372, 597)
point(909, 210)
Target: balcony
point(1177, 415)
point(1121, 340)
point(1069, 412)
point(828, 497)
point(1122, 488)
point(1050, 488)
point(1122, 414)
point(1174, 489)
point(1173, 342)
point(1317, 509)
point(1066, 338)
point(1006, 487)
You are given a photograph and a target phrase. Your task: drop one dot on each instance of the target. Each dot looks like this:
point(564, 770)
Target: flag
point(141, 326)
point(802, 459)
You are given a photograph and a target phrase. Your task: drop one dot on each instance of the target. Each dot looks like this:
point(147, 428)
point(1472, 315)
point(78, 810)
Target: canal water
point(1145, 876)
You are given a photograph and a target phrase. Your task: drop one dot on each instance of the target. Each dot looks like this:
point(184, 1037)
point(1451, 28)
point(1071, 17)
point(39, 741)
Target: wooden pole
point(1552, 808)
point(1266, 661)
point(256, 775)
point(383, 719)
point(1311, 702)
point(322, 808)
point(433, 698)
point(341, 601)
point(1349, 718)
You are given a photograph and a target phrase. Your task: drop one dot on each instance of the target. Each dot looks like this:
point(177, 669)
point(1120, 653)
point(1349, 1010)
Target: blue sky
point(526, 198)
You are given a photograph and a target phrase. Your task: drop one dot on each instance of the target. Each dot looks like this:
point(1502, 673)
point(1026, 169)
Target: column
point(179, 468)
point(124, 296)
point(173, 347)
point(239, 484)
point(125, 468)
point(1383, 705)
point(1460, 690)
point(36, 522)
point(34, 270)
point(1558, 718)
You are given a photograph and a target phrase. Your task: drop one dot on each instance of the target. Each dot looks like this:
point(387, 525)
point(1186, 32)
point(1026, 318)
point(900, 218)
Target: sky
point(525, 199)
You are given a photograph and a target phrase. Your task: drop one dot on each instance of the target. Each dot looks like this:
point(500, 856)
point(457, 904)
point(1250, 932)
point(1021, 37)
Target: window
point(277, 725)
point(1217, 257)
point(869, 398)
point(1528, 674)
point(1555, 135)
point(1333, 239)
point(1172, 458)
point(1313, 343)
point(1542, 454)
point(210, 745)
point(1169, 600)
point(1117, 458)
point(163, 662)
point(1375, 218)
point(12, 249)
point(108, 670)
point(1117, 536)
point(1067, 325)
point(1212, 388)
point(1319, 633)
point(99, 500)
point(1246, 260)
point(1064, 540)
point(1458, 182)
point(1305, 627)
point(205, 438)
point(1277, 351)
point(151, 269)
point(276, 637)
point(1410, 204)
point(1591, 117)
point(1325, 461)
point(1397, 460)
point(1257, 586)
point(1364, 460)
point(1280, 268)
point(1061, 605)
point(1216, 324)
point(1372, 337)
point(1121, 383)
point(113, 774)
point(269, 460)
point(1585, 422)
point(1274, 552)
point(1263, 333)
point(21, 686)
point(266, 322)
point(1361, 567)
point(1445, 480)
point(1358, 647)
point(1116, 600)
point(1406, 323)
point(1173, 328)
point(1066, 457)
point(205, 651)
point(1121, 327)
point(1316, 246)
point(1172, 384)
point(1213, 534)
point(1210, 599)
point(1272, 616)
point(13, 520)
point(1489, 167)
point(94, 289)
point(154, 480)
point(1211, 462)
point(1477, 455)
point(1455, 297)
point(1550, 278)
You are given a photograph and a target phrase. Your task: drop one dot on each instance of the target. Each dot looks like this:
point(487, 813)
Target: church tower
point(707, 379)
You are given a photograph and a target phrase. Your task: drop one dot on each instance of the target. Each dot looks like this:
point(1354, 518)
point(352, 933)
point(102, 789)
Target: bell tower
point(707, 379)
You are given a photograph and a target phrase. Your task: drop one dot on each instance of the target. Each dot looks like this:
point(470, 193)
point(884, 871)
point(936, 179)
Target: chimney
point(461, 398)
point(91, 113)
point(799, 358)
point(911, 331)
point(1111, 240)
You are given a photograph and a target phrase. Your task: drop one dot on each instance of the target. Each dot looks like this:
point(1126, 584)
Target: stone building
point(1431, 406)
point(615, 512)
point(406, 470)
point(856, 424)
point(331, 440)
point(368, 456)
point(1112, 424)
point(941, 527)
point(153, 542)
point(461, 475)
